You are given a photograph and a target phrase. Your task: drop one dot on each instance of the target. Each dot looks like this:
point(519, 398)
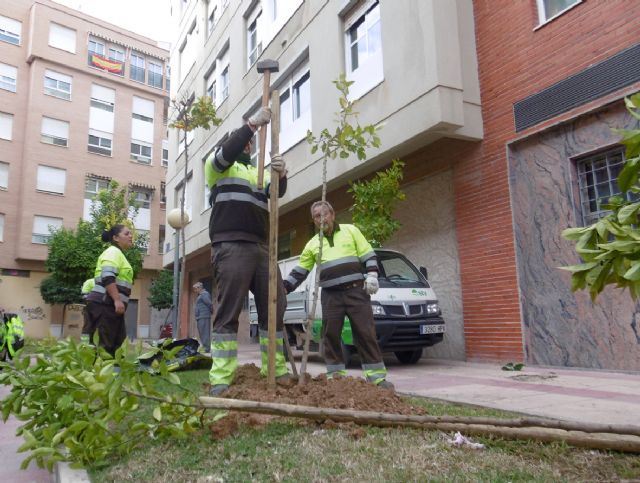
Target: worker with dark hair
point(238, 229)
point(107, 301)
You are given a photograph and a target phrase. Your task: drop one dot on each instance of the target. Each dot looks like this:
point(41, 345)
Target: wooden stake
point(274, 193)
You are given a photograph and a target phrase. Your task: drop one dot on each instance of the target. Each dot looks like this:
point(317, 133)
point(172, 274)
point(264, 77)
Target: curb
point(63, 473)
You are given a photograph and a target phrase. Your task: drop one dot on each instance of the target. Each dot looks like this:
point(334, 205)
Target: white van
point(405, 309)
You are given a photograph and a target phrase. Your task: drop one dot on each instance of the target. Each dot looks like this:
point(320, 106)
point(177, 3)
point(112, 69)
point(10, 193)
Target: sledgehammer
point(265, 67)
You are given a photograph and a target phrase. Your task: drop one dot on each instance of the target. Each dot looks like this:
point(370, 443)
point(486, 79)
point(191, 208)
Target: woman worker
point(107, 302)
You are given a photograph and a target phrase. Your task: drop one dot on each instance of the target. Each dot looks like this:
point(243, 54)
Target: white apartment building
point(414, 67)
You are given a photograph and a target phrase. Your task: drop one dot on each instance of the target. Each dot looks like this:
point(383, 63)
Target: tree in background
point(610, 247)
point(374, 202)
point(160, 292)
point(72, 254)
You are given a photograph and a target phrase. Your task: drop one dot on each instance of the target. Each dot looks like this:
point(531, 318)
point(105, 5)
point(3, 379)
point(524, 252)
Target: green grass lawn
point(286, 450)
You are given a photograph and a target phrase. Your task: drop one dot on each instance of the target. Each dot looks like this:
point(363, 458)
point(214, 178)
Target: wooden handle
point(263, 129)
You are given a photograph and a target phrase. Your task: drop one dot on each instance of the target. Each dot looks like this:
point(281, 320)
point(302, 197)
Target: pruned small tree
point(374, 202)
point(343, 141)
point(190, 114)
point(610, 247)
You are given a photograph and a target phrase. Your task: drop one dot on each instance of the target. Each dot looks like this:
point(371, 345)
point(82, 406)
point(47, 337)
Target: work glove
point(260, 118)
point(278, 164)
point(371, 284)
point(287, 287)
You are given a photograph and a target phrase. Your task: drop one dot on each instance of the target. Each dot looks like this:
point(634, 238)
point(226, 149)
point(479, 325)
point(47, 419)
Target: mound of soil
point(337, 393)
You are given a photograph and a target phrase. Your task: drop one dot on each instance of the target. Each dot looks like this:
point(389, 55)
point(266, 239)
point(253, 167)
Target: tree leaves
point(610, 247)
point(76, 408)
point(374, 203)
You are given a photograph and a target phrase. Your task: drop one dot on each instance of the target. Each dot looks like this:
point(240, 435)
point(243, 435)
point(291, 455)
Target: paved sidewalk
point(568, 394)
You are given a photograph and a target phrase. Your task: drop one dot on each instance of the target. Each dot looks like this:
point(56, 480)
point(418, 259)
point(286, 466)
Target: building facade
point(82, 102)
point(503, 120)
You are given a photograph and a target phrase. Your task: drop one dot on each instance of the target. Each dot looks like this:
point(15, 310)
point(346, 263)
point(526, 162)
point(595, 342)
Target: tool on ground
point(265, 67)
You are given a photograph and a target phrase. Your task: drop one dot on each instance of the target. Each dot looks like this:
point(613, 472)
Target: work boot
point(384, 384)
point(218, 389)
point(286, 380)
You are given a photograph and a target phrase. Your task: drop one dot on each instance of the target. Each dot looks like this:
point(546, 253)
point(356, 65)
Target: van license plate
point(431, 329)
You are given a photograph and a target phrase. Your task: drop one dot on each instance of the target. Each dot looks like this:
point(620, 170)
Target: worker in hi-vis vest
point(346, 292)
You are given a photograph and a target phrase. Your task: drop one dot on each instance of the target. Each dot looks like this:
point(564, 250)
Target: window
point(548, 9)
point(165, 152)
point(93, 186)
point(188, 51)
point(221, 77)
point(2, 227)
point(51, 180)
point(10, 30)
point(96, 47)
point(42, 227)
point(363, 43)
point(110, 58)
point(597, 182)
point(102, 98)
point(6, 126)
point(62, 38)
point(4, 176)
point(142, 129)
point(8, 76)
point(99, 142)
point(141, 152)
point(57, 85)
point(163, 195)
point(137, 67)
point(143, 198)
point(168, 81)
point(155, 75)
point(212, 8)
point(143, 235)
point(224, 83)
point(54, 132)
point(254, 43)
point(161, 238)
point(210, 83)
point(295, 107)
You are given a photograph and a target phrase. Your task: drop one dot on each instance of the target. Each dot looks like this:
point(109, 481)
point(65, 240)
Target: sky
point(150, 18)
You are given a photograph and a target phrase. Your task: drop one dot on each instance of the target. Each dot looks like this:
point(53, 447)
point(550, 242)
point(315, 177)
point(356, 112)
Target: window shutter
point(51, 179)
point(54, 127)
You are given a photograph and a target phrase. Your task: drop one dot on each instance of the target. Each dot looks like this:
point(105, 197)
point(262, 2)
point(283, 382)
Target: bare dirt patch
point(337, 393)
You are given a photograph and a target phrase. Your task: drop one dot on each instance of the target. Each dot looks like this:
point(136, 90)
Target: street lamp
point(176, 222)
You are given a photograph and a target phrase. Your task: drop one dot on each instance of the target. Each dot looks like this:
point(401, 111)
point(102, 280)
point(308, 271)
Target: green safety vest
point(112, 265)
point(346, 254)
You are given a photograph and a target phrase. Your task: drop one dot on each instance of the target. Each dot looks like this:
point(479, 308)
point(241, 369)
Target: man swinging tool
point(238, 229)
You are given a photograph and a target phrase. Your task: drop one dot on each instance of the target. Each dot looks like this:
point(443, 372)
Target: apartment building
point(502, 116)
point(414, 68)
point(82, 102)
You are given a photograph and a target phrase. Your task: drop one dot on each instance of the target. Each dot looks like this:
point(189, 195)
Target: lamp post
point(176, 222)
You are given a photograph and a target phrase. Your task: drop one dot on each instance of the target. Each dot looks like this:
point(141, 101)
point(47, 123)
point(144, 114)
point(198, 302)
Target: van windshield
point(397, 270)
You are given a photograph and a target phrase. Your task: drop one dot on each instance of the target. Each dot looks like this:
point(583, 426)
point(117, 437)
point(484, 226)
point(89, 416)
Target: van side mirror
point(423, 271)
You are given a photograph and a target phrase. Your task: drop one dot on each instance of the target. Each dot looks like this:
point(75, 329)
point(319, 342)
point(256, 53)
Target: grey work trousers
point(237, 268)
point(354, 303)
point(204, 330)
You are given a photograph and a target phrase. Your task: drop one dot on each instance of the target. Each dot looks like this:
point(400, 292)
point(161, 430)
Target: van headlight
point(378, 309)
point(433, 309)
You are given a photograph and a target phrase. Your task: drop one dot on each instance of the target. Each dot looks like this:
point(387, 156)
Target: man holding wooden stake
point(238, 229)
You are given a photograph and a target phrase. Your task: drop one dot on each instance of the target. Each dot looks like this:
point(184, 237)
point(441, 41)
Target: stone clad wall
point(562, 328)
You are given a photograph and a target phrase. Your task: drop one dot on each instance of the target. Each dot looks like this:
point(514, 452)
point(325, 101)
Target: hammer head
point(268, 65)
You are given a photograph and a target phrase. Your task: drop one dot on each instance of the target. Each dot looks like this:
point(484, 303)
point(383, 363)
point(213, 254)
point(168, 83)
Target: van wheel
point(346, 352)
point(409, 357)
